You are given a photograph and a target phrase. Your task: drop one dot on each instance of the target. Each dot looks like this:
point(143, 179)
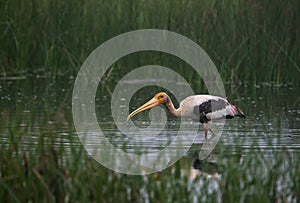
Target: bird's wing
point(208, 107)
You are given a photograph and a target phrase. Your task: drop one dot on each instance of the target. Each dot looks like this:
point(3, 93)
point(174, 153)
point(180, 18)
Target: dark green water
point(254, 157)
point(31, 108)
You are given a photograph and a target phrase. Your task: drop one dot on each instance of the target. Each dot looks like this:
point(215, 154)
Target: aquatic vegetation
point(249, 41)
point(66, 173)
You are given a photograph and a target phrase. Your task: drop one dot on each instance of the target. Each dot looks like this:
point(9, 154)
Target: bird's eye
point(160, 97)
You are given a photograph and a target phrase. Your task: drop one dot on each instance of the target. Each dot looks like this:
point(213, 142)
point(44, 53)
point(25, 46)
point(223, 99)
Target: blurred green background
point(249, 41)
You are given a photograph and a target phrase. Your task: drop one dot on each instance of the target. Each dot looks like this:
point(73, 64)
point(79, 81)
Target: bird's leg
point(212, 132)
point(206, 127)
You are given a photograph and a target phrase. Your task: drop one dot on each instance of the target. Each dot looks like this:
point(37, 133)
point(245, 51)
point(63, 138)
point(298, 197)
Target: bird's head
point(159, 98)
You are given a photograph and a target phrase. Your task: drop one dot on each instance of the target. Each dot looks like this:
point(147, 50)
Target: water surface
point(31, 108)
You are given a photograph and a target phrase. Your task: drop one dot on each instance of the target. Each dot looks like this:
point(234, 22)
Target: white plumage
point(201, 108)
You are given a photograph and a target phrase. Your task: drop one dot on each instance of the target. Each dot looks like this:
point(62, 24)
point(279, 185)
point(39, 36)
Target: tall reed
point(250, 41)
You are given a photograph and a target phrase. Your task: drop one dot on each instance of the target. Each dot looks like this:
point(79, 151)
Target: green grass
point(47, 172)
point(249, 41)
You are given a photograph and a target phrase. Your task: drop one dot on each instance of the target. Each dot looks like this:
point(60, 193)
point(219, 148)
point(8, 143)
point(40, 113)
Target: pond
point(30, 107)
point(36, 113)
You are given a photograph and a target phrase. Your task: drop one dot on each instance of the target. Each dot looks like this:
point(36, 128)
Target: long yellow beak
point(152, 103)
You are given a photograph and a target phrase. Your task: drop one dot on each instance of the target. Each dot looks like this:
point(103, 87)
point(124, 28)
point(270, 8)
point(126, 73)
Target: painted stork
point(201, 108)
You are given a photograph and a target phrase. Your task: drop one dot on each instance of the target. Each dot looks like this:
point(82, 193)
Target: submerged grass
point(67, 174)
point(249, 41)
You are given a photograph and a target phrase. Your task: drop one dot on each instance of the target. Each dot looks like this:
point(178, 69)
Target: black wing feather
point(208, 107)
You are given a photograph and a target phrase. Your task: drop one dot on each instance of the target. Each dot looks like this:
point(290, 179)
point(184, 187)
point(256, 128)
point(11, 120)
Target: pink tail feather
point(237, 111)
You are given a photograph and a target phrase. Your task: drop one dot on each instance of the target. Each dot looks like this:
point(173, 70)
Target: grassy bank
point(249, 41)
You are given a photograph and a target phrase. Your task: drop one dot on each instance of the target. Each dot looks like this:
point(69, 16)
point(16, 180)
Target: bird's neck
point(170, 106)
